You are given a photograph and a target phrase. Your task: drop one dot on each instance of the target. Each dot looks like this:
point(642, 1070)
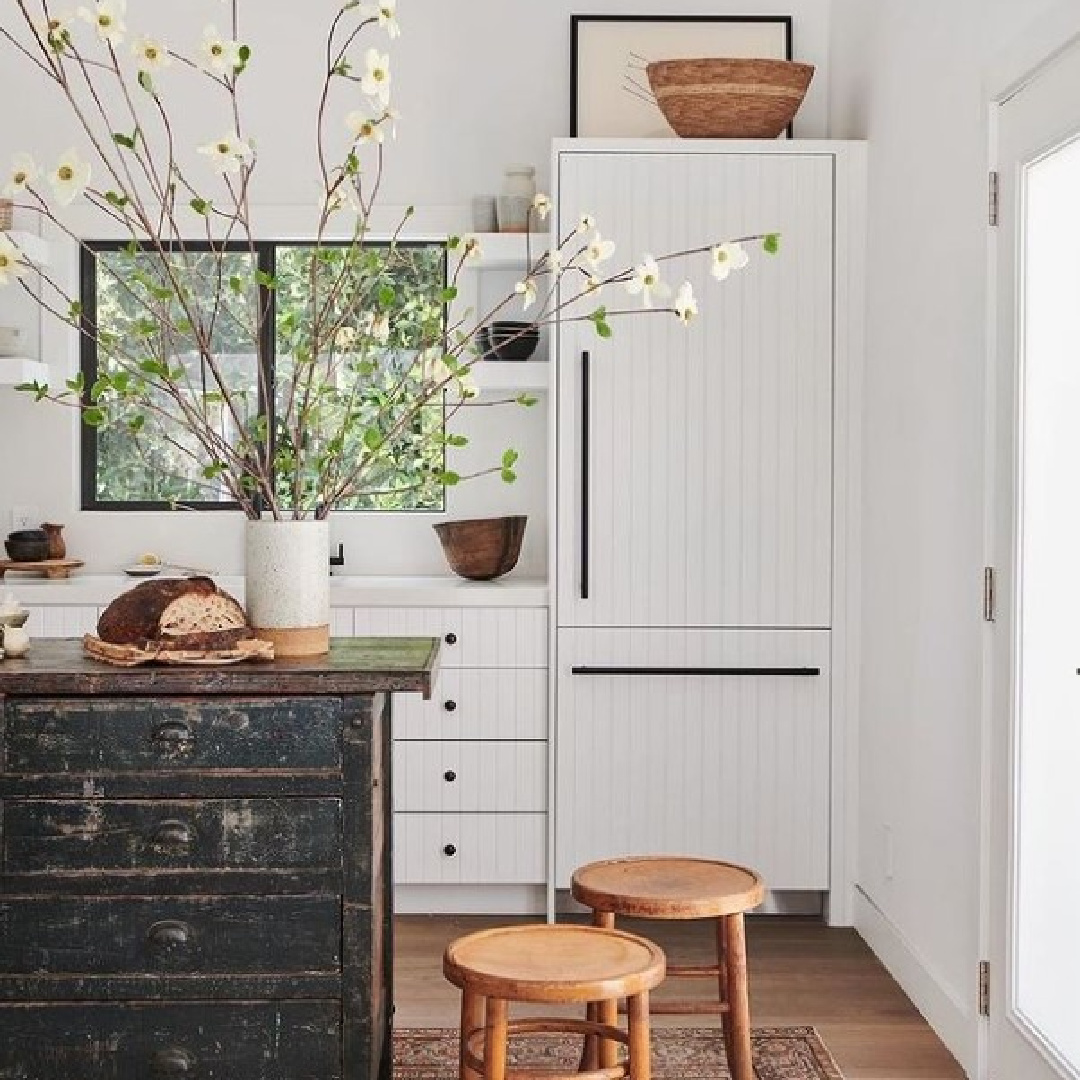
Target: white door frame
point(1022, 62)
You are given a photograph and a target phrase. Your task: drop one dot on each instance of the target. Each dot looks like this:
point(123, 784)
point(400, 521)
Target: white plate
point(143, 571)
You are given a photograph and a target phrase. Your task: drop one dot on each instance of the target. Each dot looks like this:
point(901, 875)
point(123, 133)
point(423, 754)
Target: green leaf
point(447, 478)
point(213, 471)
point(456, 440)
point(146, 82)
point(93, 417)
point(236, 284)
point(200, 206)
point(76, 385)
point(127, 141)
point(449, 294)
point(387, 296)
point(508, 476)
point(136, 423)
point(75, 310)
point(510, 458)
point(373, 438)
point(603, 329)
point(527, 400)
point(155, 368)
point(343, 68)
point(771, 243)
point(40, 390)
point(265, 279)
point(117, 199)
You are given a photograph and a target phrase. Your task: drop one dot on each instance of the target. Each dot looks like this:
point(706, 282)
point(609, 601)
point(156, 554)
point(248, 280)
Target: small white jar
point(16, 642)
point(516, 198)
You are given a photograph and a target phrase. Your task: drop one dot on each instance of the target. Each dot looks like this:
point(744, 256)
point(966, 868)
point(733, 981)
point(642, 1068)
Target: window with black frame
point(154, 465)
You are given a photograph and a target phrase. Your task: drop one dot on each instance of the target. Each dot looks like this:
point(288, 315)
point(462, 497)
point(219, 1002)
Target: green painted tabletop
point(353, 666)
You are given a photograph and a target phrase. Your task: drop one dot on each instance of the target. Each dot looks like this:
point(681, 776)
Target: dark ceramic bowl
point(508, 340)
point(27, 545)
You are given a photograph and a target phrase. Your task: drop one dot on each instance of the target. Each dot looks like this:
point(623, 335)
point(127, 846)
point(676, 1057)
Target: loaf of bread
point(181, 613)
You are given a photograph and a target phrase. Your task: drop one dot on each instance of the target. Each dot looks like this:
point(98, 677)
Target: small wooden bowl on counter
point(482, 548)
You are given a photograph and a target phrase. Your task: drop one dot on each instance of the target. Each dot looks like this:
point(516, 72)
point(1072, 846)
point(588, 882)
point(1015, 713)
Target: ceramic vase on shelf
point(287, 582)
point(57, 546)
point(516, 198)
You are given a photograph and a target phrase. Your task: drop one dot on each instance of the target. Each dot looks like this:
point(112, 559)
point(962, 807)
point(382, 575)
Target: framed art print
point(609, 90)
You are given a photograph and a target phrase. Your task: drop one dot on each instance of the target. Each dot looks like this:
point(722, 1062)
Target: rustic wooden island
point(195, 865)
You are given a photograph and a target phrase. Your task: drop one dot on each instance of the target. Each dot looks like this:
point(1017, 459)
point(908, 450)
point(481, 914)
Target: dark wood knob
point(449, 851)
point(169, 934)
point(449, 776)
point(451, 638)
point(172, 736)
point(173, 836)
point(172, 1061)
point(450, 706)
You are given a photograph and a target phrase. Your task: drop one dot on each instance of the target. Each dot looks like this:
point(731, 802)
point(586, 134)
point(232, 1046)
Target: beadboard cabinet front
point(695, 463)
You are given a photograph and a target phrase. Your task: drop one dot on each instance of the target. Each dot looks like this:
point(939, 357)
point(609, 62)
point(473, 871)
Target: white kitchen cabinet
point(706, 556)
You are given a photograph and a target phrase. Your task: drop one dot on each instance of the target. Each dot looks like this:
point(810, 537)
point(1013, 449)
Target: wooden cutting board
point(51, 568)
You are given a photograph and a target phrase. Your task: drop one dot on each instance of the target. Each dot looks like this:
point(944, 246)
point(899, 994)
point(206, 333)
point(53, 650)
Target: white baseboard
point(954, 1020)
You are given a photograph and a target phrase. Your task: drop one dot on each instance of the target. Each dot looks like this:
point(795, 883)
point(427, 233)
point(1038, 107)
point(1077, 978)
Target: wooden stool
point(552, 964)
point(663, 887)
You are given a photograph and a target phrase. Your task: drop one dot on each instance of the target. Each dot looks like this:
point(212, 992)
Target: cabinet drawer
point(469, 637)
point(713, 743)
point(74, 735)
point(477, 704)
point(169, 936)
point(212, 1041)
point(470, 776)
point(133, 836)
point(470, 849)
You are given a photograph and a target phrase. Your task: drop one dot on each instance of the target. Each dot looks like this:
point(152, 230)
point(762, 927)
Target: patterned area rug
point(788, 1053)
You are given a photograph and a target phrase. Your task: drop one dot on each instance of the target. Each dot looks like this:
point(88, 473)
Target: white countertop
point(345, 590)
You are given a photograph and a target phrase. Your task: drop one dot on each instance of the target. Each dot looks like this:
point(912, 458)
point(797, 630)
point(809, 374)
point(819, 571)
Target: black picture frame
point(784, 23)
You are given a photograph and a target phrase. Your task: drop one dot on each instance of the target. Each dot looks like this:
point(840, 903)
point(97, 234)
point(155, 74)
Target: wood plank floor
point(801, 972)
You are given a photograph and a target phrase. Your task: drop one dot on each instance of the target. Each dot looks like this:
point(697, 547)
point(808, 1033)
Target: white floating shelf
point(511, 376)
point(15, 370)
point(508, 251)
point(32, 246)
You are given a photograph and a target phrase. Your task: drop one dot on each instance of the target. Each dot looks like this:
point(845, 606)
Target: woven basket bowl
point(729, 98)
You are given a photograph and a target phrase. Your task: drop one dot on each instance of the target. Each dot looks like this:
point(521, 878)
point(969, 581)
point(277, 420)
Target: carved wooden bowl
point(482, 548)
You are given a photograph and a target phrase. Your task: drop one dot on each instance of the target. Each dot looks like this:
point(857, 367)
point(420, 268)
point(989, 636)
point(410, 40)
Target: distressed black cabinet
point(195, 866)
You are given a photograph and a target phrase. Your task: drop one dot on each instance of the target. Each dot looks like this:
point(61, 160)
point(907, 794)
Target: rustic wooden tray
point(51, 568)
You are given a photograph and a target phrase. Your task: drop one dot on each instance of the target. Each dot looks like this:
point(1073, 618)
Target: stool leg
point(740, 1060)
point(725, 1003)
point(607, 1012)
point(472, 1017)
point(496, 1038)
point(640, 1064)
point(590, 1052)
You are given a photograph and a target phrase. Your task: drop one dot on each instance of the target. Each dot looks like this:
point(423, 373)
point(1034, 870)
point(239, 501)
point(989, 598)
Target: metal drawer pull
point(449, 776)
point(173, 1061)
point(173, 836)
point(172, 736)
point(799, 672)
point(449, 851)
point(169, 934)
point(451, 638)
point(449, 706)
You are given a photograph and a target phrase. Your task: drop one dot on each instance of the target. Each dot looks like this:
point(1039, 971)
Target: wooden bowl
point(482, 548)
point(729, 98)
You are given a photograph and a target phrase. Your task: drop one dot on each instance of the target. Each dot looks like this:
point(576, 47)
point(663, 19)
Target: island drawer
point(162, 936)
point(98, 736)
point(470, 849)
point(477, 704)
point(486, 777)
point(43, 836)
point(292, 1040)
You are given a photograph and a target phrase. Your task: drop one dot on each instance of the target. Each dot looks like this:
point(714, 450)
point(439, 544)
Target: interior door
point(695, 463)
point(1035, 1009)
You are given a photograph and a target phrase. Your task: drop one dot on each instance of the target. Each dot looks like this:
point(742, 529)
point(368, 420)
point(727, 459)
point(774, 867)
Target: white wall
point(479, 85)
point(909, 75)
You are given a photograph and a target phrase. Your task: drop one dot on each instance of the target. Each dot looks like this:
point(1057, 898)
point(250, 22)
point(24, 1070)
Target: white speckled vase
point(288, 585)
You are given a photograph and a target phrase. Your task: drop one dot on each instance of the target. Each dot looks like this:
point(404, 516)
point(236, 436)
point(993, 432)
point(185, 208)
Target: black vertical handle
point(586, 386)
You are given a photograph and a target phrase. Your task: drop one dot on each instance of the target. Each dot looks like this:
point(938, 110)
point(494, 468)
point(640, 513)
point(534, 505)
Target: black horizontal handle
point(800, 672)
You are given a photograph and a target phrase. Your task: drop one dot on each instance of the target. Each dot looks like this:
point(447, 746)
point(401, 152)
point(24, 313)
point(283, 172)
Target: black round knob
point(172, 736)
point(449, 706)
point(172, 837)
point(449, 776)
point(169, 934)
point(451, 638)
point(449, 851)
point(172, 1061)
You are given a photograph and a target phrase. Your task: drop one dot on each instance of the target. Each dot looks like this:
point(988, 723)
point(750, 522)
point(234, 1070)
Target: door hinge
point(984, 987)
point(995, 197)
point(989, 594)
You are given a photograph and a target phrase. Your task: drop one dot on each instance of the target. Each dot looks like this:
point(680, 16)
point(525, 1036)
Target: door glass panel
point(1047, 932)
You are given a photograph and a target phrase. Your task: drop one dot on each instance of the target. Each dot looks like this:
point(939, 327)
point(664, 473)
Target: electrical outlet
point(25, 517)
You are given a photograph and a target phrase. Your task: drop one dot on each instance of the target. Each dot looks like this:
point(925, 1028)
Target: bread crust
point(149, 613)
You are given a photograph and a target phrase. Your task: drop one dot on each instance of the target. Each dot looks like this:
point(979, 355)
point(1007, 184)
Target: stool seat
point(554, 963)
point(667, 887)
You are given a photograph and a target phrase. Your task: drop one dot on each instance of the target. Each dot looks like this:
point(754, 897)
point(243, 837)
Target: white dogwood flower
point(541, 205)
point(375, 81)
point(527, 291)
point(598, 250)
point(470, 247)
point(221, 55)
point(56, 29)
point(70, 177)
point(107, 18)
point(685, 303)
point(385, 11)
point(150, 55)
point(646, 281)
point(586, 223)
point(363, 128)
point(12, 264)
point(726, 258)
point(23, 173)
point(228, 153)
